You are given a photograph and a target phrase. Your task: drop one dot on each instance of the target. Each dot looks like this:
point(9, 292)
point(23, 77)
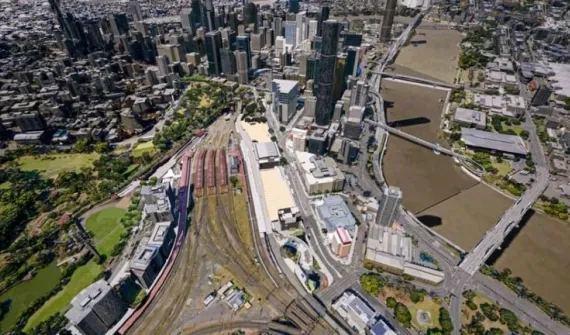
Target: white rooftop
point(285, 86)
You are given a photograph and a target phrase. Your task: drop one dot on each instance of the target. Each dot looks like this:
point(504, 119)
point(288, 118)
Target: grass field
point(51, 165)
point(143, 147)
point(81, 278)
point(242, 219)
point(106, 228)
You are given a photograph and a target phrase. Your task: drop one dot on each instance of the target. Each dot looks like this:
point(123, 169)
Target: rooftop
point(266, 150)
point(334, 212)
point(285, 86)
point(83, 303)
point(493, 141)
point(276, 193)
point(470, 116)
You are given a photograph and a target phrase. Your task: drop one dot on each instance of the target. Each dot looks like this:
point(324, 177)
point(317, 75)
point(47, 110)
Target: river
point(461, 209)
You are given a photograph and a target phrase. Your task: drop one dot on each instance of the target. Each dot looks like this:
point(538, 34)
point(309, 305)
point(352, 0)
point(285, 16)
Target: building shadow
point(409, 122)
point(430, 221)
point(510, 238)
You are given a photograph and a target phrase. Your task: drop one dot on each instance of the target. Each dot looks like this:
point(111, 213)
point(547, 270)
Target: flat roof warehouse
point(493, 141)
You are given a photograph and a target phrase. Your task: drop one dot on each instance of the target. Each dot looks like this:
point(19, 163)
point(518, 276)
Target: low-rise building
point(334, 213)
point(289, 218)
point(355, 311)
point(320, 174)
point(162, 237)
point(96, 309)
point(267, 154)
point(493, 142)
point(341, 242)
point(470, 118)
point(381, 327)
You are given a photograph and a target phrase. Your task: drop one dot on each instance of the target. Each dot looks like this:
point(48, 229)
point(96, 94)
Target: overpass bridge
point(416, 79)
point(508, 221)
point(471, 165)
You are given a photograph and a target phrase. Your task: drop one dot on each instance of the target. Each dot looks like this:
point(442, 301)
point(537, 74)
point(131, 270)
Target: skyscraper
point(294, 6)
point(388, 20)
point(339, 83)
point(278, 26)
point(186, 18)
point(213, 46)
point(389, 205)
point(54, 4)
point(242, 66)
point(243, 44)
point(208, 19)
point(351, 61)
point(229, 67)
point(322, 16)
point(196, 12)
point(299, 33)
point(291, 32)
point(162, 62)
point(136, 11)
point(325, 79)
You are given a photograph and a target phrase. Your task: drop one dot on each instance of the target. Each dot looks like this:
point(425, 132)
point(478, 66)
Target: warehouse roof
point(493, 141)
point(266, 150)
point(470, 116)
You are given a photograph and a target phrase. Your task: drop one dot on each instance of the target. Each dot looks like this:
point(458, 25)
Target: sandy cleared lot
point(436, 58)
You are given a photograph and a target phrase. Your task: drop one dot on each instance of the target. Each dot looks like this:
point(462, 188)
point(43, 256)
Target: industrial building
point(393, 251)
point(493, 142)
point(320, 174)
point(334, 213)
point(355, 311)
point(470, 118)
point(276, 193)
point(96, 309)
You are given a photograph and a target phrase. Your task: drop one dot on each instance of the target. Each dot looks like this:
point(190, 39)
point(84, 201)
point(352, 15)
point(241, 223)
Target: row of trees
point(516, 285)
point(554, 207)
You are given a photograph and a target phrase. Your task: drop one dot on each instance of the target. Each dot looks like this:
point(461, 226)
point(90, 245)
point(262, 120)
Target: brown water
point(459, 208)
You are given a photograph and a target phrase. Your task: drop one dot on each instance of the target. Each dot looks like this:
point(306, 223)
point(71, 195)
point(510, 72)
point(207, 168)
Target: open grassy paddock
point(51, 165)
point(106, 228)
point(143, 147)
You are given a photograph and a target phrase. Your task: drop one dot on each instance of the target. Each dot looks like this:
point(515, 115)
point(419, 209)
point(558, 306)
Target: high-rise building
point(269, 37)
point(299, 26)
point(348, 151)
point(325, 79)
point(313, 24)
point(310, 106)
point(250, 14)
point(257, 42)
point(119, 24)
point(186, 19)
point(95, 40)
point(388, 20)
point(280, 43)
point(294, 6)
point(208, 19)
point(196, 15)
point(213, 46)
point(322, 16)
point(351, 38)
point(541, 96)
point(359, 95)
point(278, 26)
point(285, 96)
point(242, 66)
point(291, 32)
point(352, 54)
point(389, 206)
point(229, 67)
point(96, 309)
point(244, 45)
point(339, 83)
point(136, 10)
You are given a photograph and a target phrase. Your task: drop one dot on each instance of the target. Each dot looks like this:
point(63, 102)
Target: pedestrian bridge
point(416, 79)
point(468, 163)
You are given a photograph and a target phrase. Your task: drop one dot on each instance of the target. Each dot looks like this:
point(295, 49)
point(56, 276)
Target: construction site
point(222, 231)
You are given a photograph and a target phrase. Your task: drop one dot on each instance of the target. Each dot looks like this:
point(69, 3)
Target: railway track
point(160, 313)
point(239, 260)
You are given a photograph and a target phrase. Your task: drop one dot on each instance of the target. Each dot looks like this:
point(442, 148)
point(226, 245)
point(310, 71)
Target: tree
point(372, 283)
point(274, 138)
point(510, 319)
point(445, 321)
point(403, 315)
point(283, 161)
point(102, 147)
point(391, 302)
point(234, 180)
point(81, 146)
point(282, 129)
point(416, 296)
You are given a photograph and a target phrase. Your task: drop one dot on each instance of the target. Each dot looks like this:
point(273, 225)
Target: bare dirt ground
point(437, 58)
point(463, 210)
point(425, 178)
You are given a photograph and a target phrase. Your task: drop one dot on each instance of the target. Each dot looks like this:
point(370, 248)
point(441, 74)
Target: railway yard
point(220, 243)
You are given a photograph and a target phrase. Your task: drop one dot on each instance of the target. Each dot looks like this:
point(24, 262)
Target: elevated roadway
point(508, 221)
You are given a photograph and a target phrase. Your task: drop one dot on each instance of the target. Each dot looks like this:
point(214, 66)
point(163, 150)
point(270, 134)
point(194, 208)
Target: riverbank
point(459, 208)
